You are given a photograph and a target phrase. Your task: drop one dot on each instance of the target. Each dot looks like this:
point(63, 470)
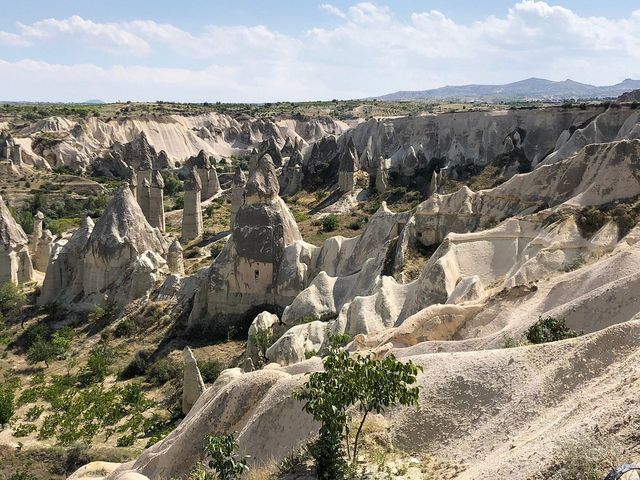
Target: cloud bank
point(370, 50)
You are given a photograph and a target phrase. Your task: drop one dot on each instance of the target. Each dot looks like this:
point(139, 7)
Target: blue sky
point(271, 50)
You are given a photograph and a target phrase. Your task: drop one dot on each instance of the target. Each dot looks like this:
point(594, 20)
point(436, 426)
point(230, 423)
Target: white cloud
point(370, 51)
point(333, 10)
point(112, 37)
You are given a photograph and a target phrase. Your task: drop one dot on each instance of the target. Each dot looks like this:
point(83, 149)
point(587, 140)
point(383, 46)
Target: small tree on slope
point(374, 385)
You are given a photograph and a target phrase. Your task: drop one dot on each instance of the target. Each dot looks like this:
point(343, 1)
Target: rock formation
point(42, 254)
point(244, 274)
point(269, 147)
point(6, 150)
point(208, 174)
point(38, 220)
point(156, 201)
point(291, 180)
point(237, 193)
point(15, 260)
point(288, 147)
point(137, 153)
point(175, 260)
point(117, 260)
point(264, 323)
point(382, 179)
point(347, 169)
point(16, 157)
point(192, 214)
point(192, 384)
point(143, 191)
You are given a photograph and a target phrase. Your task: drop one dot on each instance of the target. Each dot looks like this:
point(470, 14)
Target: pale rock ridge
point(478, 404)
point(137, 153)
point(15, 260)
point(192, 227)
point(192, 383)
point(598, 174)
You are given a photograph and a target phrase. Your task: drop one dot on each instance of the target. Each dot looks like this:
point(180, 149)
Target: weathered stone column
point(143, 197)
point(192, 384)
point(192, 212)
point(38, 219)
point(237, 193)
point(213, 185)
point(133, 182)
point(156, 201)
point(347, 169)
point(43, 251)
point(382, 181)
point(17, 155)
point(175, 260)
point(6, 151)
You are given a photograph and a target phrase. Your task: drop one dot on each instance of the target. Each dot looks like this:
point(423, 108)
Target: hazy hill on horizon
point(528, 89)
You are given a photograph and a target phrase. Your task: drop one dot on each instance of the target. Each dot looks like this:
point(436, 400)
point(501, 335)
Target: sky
point(277, 50)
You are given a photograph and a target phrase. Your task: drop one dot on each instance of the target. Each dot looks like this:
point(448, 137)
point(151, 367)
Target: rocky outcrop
point(291, 179)
point(192, 383)
point(192, 214)
point(598, 174)
point(237, 193)
point(382, 178)
point(263, 325)
point(632, 96)
point(156, 201)
point(117, 260)
point(269, 147)
point(137, 153)
point(15, 259)
point(349, 165)
point(244, 275)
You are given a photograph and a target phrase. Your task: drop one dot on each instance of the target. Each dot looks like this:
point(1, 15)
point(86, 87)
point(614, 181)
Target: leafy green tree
point(99, 363)
point(223, 459)
point(373, 384)
point(172, 184)
point(7, 407)
point(550, 329)
point(42, 350)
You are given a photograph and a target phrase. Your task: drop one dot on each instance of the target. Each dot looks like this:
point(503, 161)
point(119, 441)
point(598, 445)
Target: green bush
point(374, 385)
point(330, 223)
point(98, 364)
point(42, 350)
point(172, 184)
point(549, 329)
point(163, 371)
point(210, 370)
point(216, 248)
point(223, 459)
point(11, 297)
point(58, 226)
point(7, 407)
point(22, 476)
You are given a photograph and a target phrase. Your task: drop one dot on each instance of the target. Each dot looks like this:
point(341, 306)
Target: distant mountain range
point(533, 89)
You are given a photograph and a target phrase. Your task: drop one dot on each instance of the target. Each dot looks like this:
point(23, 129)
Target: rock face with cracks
point(244, 276)
point(15, 259)
point(118, 259)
